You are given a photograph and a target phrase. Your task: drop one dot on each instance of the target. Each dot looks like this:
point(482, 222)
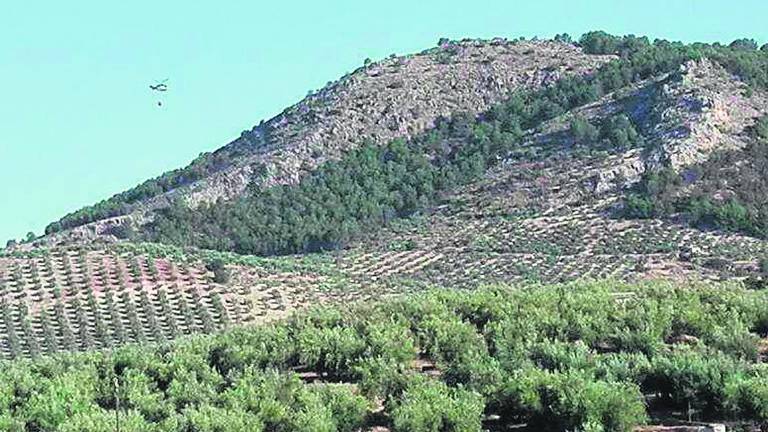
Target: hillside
point(100, 296)
point(557, 217)
point(383, 100)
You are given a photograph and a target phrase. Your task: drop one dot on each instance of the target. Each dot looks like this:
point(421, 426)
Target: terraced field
point(84, 297)
point(98, 296)
point(74, 298)
point(543, 221)
point(516, 250)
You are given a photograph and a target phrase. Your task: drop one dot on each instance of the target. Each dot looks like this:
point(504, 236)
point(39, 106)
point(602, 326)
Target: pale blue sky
point(78, 124)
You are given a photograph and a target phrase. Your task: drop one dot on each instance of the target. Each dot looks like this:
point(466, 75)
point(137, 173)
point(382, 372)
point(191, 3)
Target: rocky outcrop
point(701, 110)
point(620, 172)
point(684, 118)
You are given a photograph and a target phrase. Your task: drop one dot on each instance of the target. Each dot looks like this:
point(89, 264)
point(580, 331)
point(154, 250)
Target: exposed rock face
point(685, 118)
point(702, 110)
point(102, 230)
point(622, 171)
point(396, 97)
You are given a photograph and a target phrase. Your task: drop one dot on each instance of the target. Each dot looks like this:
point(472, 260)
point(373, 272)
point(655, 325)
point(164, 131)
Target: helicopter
point(159, 86)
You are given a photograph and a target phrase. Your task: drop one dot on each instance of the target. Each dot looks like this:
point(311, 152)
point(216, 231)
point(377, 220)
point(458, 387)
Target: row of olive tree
point(557, 358)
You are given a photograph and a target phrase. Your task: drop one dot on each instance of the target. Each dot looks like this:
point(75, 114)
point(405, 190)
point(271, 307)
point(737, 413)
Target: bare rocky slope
point(392, 98)
point(684, 117)
point(396, 97)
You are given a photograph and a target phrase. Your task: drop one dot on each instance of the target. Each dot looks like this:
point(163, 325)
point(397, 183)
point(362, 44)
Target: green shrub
point(623, 367)
point(61, 398)
point(219, 269)
point(583, 131)
point(208, 418)
point(348, 410)
point(748, 398)
point(445, 338)
point(475, 371)
point(557, 357)
point(381, 377)
point(332, 350)
point(431, 406)
point(573, 400)
point(686, 378)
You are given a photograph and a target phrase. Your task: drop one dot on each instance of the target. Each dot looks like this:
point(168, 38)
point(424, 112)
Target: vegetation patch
point(598, 356)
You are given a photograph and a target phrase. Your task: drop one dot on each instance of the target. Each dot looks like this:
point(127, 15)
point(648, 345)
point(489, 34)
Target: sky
point(78, 122)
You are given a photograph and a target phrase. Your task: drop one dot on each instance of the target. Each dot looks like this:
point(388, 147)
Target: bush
point(744, 45)
point(447, 339)
point(691, 379)
point(475, 371)
point(748, 398)
point(583, 131)
point(275, 397)
point(573, 400)
point(219, 269)
point(207, 418)
point(105, 421)
point(347, 409)
point(10, 424)
point(381, 378)
point(60, 399)
point(562, 357)
point(329, 350)
point(428, 406)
